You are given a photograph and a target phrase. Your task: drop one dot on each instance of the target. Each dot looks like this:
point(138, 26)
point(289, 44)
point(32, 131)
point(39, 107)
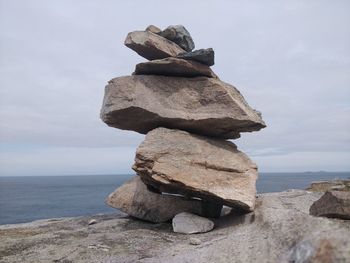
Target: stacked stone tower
point(185, 163)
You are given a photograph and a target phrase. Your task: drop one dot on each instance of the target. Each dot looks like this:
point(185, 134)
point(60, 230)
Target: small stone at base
point(195, 241)
point(188, 223)
point(92, 222)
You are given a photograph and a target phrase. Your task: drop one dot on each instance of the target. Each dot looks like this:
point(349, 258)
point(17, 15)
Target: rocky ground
point(279, 230)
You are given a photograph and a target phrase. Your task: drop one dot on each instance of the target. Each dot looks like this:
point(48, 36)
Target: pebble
point(92, 222)
point(99, 247)
point(195, 241)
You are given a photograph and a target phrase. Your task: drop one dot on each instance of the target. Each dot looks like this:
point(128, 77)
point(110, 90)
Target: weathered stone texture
point(200, 105)
point(212, 169)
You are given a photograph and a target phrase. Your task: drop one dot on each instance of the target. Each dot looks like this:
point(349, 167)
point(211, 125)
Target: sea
point(28, 198)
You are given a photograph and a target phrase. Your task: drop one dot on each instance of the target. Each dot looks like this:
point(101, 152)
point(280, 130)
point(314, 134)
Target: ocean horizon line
point(130, 174)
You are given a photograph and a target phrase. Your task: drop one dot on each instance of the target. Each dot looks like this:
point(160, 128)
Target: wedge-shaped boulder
point(174, 67)
point(179, 162)
point(200, 105)
point(151, 46)
point(136, 200)
point(332, 204)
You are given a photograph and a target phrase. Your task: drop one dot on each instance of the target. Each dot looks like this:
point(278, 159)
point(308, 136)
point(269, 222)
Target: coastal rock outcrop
point(174, 67)
point(176, 161)
point(200, 105)
point(279, 230)
point(136, 200)
point(334, 204)
point(335, 185)
point(185, 163)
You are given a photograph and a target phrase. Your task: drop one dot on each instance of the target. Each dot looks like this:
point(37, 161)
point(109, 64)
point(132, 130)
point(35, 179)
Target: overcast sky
point(290, 60)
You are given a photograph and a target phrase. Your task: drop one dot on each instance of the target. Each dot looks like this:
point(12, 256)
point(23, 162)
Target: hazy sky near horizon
point(290, 60)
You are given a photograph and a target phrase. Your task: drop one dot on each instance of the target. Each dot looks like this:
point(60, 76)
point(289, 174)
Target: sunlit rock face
point(197, 166)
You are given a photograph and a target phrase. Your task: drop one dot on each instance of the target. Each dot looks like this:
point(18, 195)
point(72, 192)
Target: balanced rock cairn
point(185, 163)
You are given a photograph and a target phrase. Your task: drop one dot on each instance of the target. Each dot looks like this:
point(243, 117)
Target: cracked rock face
point(136, 200)
point(151, 46)
point(175, 161)
point(200, 105)
point(174, 67)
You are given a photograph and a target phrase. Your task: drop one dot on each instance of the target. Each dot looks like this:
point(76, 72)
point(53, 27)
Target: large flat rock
point(151, 46)
point(200, 105)
point(136, 200)
point(279, 230)
point(178, 162)
point(174, 67)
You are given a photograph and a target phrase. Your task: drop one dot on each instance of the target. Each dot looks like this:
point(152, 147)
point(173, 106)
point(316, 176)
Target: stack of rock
point(186, 163)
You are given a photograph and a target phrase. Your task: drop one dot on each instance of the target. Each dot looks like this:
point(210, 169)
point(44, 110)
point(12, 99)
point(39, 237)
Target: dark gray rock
point(174, 67)
point(179, 35)
point(204, 56)
point(334, 204)
point(211, 209)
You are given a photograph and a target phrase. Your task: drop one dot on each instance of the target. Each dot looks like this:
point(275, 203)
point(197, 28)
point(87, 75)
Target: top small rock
point(152, 46)
point(179, 35)
point(153, 29)
point(153, 43)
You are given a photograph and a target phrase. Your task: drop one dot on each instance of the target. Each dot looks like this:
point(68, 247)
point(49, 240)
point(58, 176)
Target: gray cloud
point(290, 59)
